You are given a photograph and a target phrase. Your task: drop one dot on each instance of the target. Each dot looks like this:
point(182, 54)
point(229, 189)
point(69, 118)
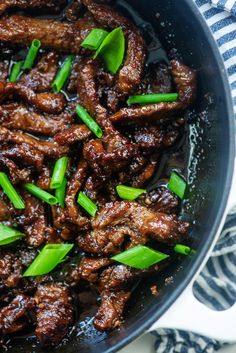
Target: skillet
point(209, 167)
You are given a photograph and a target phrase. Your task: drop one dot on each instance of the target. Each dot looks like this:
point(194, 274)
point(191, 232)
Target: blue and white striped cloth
point(216, 285)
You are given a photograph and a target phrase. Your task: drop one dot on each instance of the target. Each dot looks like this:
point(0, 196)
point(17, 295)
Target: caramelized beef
point(119, 220)
point(54, 313)
point(48, 5)
point(14, 317)
point(40, 77)
point(61, 36)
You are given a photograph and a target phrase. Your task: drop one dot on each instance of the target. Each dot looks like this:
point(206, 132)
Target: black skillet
point(209, 167)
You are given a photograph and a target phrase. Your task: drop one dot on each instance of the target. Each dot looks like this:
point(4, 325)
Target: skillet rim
point(221, 211)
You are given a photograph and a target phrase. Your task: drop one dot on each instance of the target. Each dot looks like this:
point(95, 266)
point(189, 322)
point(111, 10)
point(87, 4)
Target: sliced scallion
point(140, 257)
point(87, 204)
point(40, 193)
point(60, 193)
point(9, 235)
point(94, 39)
point(63, 74)
point(59, 172)
point(10, 191)
point(31, 55)
point(128, 192)
point(49, 257)
point(112, 50)
point(184, 250)
point(88, 120)
point(15, 71)
point(152, 98)
point(178, 185)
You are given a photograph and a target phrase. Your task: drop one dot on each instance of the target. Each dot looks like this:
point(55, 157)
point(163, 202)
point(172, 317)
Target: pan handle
point(187, 313)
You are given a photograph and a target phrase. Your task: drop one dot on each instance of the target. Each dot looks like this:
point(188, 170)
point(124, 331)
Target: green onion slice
point(15, 71)
point(94, 39)
point(63, 74)
point(87, 204)
point(32, 53)
point(59, 172)
point(60, 193)
point(140, 257)
point(9, 235)
point(10, 191)
point(152, 98)
point(89, 121)
point(112, 50)
point(128, 192)
point(183, 249)
point(49, 257)
point(40, 193)
point(178, 185)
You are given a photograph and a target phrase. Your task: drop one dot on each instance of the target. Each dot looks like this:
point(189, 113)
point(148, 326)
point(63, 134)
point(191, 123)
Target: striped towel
point(216, 285)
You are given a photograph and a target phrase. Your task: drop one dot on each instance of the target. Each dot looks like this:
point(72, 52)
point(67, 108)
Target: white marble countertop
point(145, 344)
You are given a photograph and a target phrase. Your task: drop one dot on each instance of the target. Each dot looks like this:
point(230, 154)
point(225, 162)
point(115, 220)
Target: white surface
point(145, 344)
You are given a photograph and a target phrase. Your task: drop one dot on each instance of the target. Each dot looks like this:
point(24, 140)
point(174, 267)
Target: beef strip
point(34, 221)
point(40, 77)
point(39, 5)
point(47, 102)
point(61, 36)
point(111, 153)
point(131, 73)
point(15, 174)
point(161, 200)
point(48, 148)
point(24, 154)
point(44, 178)
point(121, 219)
point(10, 269)
point(4, 68)
point(150, 138)
point(14, 317)
point(54, 313)
point(73, 187)
point(185, 80)
point(17, 116)
point(88, 268)
point(75, 133)
point(111, 309)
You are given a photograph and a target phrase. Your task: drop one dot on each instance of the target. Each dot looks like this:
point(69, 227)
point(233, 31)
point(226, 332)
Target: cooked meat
point(14, 317)
point(185, 80)
point(24, 154)
point(75, 133)
point(111, 309)
point(48, 148)
point(10, 269)
point(16, 174)
point(111, 153)
point(154, 137)
point(87, 90)
point(161, 200)
point(54, 313)
point(61, 36)
point(131, 73)
point(17, 116)
point(4, 67)
point(40, 77)
point(74, 186)
point(51, 5)
point(47, 102)
point(121, 219)
point(139, 147)
point(88, 268)
point(34, 221)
